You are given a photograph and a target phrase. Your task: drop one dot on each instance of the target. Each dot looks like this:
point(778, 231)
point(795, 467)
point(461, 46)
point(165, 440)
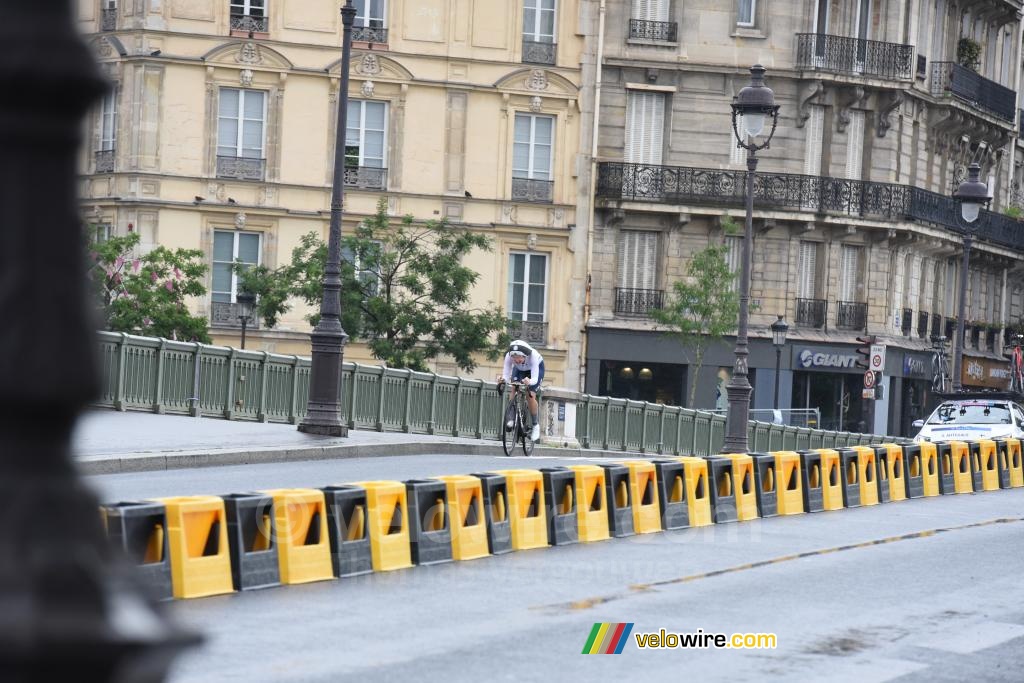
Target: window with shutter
point(854, 145)
point(950, 288)
point(815, 127)
point(651, 10)
point(637, 259)
point(734, 257)
point(108, 120)
point(645, 124)
point(807, 270)
point(849, 272)
point(737, 154)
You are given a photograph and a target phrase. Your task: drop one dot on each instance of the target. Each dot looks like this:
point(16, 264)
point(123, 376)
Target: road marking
point(969, 638)
point(589, 603)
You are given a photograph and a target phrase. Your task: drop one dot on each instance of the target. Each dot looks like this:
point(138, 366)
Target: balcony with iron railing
point(108, 19)
point(663, 31)
point(249, 23)
point(531, 331)
point(907, 322)
point(537, 52)
point(811, 312)
point(854, 56)
point(366, 177)
point(637, 301)
point(370, 34)
point(938, 327)
point(104, 161)
point(532, 190)
point(851, 315)
point(922, 324)
point(685, 185)
point(950, 331)
point(949, 78)
point(241, 168)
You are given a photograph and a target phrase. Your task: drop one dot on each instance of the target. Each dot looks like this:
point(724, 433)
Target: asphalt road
point(922, 590)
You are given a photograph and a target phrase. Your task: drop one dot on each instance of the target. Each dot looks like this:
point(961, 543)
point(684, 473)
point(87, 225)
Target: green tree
point(146, 294)
point(404, 290)
point(703, 307)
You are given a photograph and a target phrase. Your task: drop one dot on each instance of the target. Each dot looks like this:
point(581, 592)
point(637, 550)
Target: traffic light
point(864, 352)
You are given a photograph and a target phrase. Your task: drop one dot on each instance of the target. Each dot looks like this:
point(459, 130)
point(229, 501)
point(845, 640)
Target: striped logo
point(607, 639)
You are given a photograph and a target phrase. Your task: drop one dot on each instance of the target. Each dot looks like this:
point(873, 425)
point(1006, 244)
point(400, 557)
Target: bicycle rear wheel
point(509, 436)
point(525, 431)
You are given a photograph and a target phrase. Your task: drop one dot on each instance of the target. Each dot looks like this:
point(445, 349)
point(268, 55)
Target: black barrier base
point(349, 531)
point(944, 457)
point(560, 498)
point(1003, 464)
point(723, 493)
point(140, 531)
point(914, 471)
point(499, 528)
point(430, 535)
point(976, 465)
point(765, 485)
point(812, 479)
point(675, 514)
point(850, 476)
point(620, 501)
point(882, 474)
point(252, 540)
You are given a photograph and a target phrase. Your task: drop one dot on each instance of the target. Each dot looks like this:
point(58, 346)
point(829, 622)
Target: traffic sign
point(869, 379)
point(877, 362)
point(867, 393)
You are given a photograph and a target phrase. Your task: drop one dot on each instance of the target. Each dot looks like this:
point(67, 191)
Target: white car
point(970, 419)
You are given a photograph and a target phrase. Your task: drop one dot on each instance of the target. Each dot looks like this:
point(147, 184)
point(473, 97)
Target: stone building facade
point(854, 228)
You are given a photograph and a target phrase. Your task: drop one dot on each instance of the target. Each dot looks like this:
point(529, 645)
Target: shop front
point(985, 373)
point(829, 379)
point(913, 398)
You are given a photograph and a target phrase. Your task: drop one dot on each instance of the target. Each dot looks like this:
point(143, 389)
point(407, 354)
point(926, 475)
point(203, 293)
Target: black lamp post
point(972, 196)
point(779, 329)
point(246, 301)
point(323, 410)
point(750, 109)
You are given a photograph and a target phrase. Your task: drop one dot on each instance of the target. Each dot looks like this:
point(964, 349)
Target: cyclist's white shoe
point(535, 433)
point(509, 425)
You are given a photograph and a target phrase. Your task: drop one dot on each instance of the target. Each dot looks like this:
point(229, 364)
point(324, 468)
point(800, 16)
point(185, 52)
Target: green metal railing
point(163, 376)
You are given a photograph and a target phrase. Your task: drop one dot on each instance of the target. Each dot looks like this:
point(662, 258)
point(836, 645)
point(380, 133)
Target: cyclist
point(524, 362)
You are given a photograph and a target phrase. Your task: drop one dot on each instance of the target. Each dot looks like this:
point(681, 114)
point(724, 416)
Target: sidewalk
point(109, 442)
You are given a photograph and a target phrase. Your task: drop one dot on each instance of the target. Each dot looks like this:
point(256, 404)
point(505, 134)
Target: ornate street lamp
point(779, 329)
point(972, 196)
point(751, 109)
point(246, 302)
point(323, 410)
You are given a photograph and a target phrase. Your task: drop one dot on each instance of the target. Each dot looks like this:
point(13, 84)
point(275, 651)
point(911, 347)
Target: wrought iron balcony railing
point(973, 88)
point(908, 322)
point(637, 301)
point(104, 160)
point(652, 30)
point(815, 194)
point(532, 190)
point(108, 19)
point(938, 326)
point(535, 52)
point(530, 331)
point(851, 315)
point(811, 312)
point(922, 324)
point(854, 56)
point(993, 334)
point(950, 332)
point(249, 23)
point(975, 335)
point(366, 177)
point(370, 34)
point(224, 314)
point(241, 168)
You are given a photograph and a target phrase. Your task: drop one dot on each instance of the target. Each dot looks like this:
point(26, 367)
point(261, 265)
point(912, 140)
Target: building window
point(645, 116)
point(849, 269)
point(107, 133)
point(734, 258)
point(539, 21)
point(241, 134)
point(638, 259)
point(745, 13)
point(249, 16)
point(737, 154)
point(815, 127)
point(365, 274)
point(99, 232)
point(532, 158)
point(807, 270)
point(854, 145)
point(364, 134)
point(371, 18)
point(527, 287)
point(230, 246)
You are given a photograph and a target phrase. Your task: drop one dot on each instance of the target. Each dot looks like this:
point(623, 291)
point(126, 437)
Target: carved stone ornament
point(885, 111)
point(368, 65)
point(536, 103)
point(537, 80)
point(810, 91)
point(249, 53)
point(245, 77)
point(240, 220)
point(367, 89)
point(531, 241)
point(103, 48)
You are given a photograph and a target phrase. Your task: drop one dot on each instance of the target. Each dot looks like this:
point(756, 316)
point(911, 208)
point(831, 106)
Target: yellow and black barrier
point(744, 486)
point(882, 472)
point(140, 531)
point(348, 530)
point(947, 478)
point(620, 500)
point(303, 547)
point(387, 514)
point(1014, 462)
point(672, 494)
point(988, 465)
point(698, 498)
point(643, 486)
point(931, 469)
point(560, 496)
point(867, 471)
point(896, 472)
point(499, 527)
point(723, 495)
point(252, 540)
point(198, 546)
point(963, 478)
point(832, 481)
point(526, 508)
point(766, 489)
point(430, 535)
point(812, 480)
point(974, 449)
point(466, 517)
point(1003, 463)
point(591, 503)
point(789, 486)
point(914, 470)
point(849, 463)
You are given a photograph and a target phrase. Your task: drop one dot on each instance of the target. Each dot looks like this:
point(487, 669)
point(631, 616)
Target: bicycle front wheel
point(510, 435)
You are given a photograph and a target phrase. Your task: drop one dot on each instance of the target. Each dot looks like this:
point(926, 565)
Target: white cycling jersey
point(530, 365)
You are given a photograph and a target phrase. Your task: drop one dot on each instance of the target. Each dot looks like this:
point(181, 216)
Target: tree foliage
point(405, 290)
point(146, 294)
point(704, 306)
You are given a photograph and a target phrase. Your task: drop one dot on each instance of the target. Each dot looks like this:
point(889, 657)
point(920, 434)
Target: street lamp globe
point(751, 109)
point(972, 195)
point(246, 301)
point(779, 329)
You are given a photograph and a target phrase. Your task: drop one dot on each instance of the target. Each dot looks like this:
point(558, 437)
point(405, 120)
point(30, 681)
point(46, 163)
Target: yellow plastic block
point(930, 468)
point(644, 485)
point(388, 514)
point(526, 508)
point(743, 486)
point(790, 489)
point(698, 498)
point(1013, 456)
point(591, 505)
point(866, 471)
point(197, 534)
point(831, 479)
point(897, 472)
point(466, 515)
point(961, 454)
point(989, 468)
point(303, 545)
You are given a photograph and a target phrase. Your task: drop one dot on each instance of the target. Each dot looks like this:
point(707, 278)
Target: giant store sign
point(824, 359)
